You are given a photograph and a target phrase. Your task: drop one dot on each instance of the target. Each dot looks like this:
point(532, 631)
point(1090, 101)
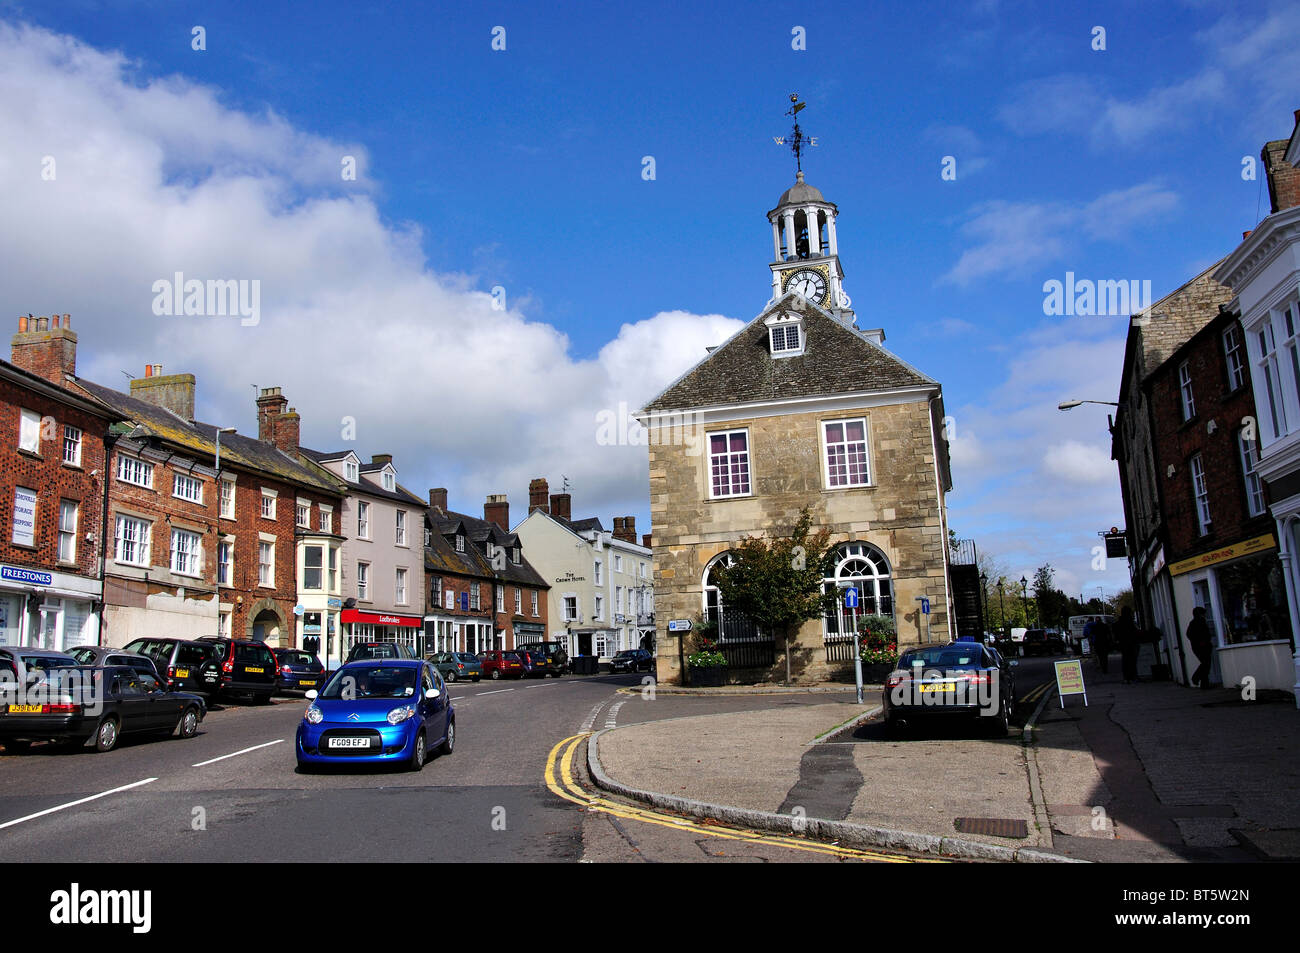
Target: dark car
point(100, 656)
point(298, 671)
point(536, 664)
point(1043, 642)
point(961, 679)
point(26, 665)
point(632, 660)
point(499, 664)
point(557, 657)
point(375, 712)
point(241, 667)
point(453, 666)
point(179, 662)
point(366, 651)
point(96, 707)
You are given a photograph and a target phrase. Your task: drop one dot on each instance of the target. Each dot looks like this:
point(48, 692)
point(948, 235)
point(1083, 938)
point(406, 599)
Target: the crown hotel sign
point(24, 517)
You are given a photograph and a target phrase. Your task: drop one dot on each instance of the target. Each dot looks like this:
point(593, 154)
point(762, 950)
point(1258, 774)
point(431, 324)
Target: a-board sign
point(1069, 679)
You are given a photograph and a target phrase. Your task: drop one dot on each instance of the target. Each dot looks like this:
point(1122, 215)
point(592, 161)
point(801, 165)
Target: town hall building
point(800, 408)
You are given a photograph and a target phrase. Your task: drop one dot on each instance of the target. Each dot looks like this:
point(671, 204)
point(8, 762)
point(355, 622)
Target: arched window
point(732, 626)
point(865, 568)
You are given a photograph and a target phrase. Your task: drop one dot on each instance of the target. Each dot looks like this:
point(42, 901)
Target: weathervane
point(797, 140)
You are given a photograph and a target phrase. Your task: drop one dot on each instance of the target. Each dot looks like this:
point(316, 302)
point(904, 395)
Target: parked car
point(453, 666)
point(297, 671)
point(27, 665)
point(632, 660)
point(241, 667)
point(96, 706)
point(960, 679)
point(101, 656)
point(535, 663)
point(364, 651)
point(1043, 642)
point(179, 661)
point(557, 655)
point(499, 664)
point(377, 712)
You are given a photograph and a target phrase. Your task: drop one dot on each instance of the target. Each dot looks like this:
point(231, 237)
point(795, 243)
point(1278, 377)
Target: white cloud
point(1076, 462)
point(155, 176)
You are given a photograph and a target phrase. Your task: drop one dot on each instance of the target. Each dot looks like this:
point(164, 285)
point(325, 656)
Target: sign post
point(1069, 680)
point(925, 611)
point(851, 603)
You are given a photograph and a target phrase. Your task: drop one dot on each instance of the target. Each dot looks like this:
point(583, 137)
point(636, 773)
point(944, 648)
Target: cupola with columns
point(806, 250)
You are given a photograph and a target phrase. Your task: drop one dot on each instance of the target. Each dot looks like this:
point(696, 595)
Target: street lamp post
point(217, 466)
point(1002, 611)
point(1024, 598)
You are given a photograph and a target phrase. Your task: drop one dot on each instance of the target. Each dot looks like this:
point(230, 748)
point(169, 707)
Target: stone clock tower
point(806, 252)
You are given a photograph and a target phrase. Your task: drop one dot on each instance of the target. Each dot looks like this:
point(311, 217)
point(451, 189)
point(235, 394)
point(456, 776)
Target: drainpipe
point(110, 441)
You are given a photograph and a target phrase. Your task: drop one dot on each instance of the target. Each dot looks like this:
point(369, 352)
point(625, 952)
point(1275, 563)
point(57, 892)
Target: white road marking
point(591, 716)
point(612, 720)
point(497, 692)
point(61, 807)
point(237, 753)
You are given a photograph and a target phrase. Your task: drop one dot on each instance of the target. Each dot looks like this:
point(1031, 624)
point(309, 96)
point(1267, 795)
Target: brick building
point(800, 408)
point(482, 590)
point(52, 476)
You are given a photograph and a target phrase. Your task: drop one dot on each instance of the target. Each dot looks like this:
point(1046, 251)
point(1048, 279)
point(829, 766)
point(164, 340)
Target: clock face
point(809, 283)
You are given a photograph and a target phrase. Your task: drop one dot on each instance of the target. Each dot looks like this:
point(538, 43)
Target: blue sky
point(522, 169)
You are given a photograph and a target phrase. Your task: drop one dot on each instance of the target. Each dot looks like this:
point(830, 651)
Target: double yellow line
point(560, 780)
point(1037, 693)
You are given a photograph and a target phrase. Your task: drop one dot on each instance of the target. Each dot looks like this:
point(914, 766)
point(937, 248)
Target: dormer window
point(460, 543)
point(350, 471)
point(785, 335)
point(388, 480)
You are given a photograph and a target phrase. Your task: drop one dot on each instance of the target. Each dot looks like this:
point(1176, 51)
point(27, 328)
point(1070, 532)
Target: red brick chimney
point(1283, 177)
point(497, 510)
point(645, 541)
point(174, 392)
point(562, 505)
point(538, 495)
point(438, 499)
point(46, 347)
point(625, 528)
point(277, 423)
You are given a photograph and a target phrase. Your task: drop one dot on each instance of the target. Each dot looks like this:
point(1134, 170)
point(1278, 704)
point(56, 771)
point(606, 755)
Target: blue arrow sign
point(925, 606)
point(850, 598)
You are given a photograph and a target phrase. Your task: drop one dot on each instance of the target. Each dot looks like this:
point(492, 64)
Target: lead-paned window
point(846, 452)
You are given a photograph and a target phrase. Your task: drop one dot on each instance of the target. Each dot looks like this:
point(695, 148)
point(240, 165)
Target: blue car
point(380, 711)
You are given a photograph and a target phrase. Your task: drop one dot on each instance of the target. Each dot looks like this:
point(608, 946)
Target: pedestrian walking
point(1198, 634)
point(1128, 637)
point(1101, 642)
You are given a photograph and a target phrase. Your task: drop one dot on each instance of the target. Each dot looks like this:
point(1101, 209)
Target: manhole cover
point(992, 826)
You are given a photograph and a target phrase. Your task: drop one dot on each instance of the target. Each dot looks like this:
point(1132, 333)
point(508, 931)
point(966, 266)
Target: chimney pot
point(67, 321)
point(47, 352)
point(56, 323)
point(22, 324)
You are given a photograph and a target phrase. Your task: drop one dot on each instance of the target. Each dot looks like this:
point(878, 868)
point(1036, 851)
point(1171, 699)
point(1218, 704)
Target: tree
point(777, 582)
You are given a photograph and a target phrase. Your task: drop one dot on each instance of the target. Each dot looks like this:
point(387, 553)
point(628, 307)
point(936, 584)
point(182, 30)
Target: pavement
point(1147, 772)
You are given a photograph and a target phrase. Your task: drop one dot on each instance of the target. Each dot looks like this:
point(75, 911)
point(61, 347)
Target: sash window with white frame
point(534, 595)
point(846, 452)
point(1249, 461)
point(1185, 391)
point(363, 581)
point(187, 488)
point(729, 464)
point(1268, 369)
point(266, 563)
point(185, 551)
point(225, 561)
point(134, 470)
point(67, 531)
point(227, 499)
point(131, 541)
point(400, 587)
point(1234, 352)
point(400, 528)
point(71, 446)
point(1201, 493)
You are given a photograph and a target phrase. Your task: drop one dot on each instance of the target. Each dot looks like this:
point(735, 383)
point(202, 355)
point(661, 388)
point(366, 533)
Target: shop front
point(453, 633)
point(362, 625)
point(48, 610)
point(1242, 588)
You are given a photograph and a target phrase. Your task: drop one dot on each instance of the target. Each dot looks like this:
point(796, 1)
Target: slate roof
point(400, 495)
point(441, 555)
point(237, 450)
point(836, 360)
